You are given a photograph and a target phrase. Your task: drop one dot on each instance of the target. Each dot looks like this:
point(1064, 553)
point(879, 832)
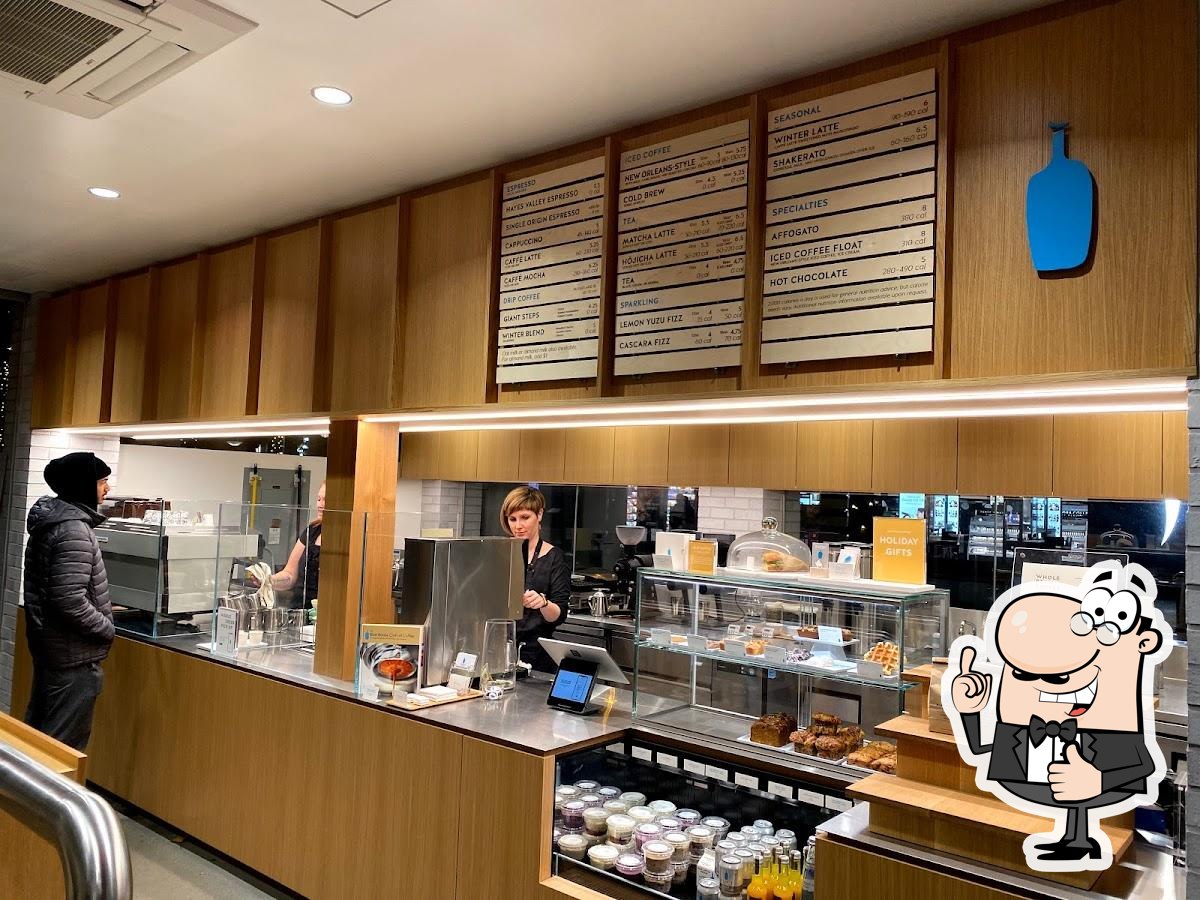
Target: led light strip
point(1151, 387)
point(219, 429)
point(232, 433)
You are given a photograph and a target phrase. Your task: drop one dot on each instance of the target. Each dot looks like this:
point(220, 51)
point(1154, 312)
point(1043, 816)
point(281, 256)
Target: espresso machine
point(625, 568)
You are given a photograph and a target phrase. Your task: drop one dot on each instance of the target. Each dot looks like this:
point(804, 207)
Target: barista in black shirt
point(547, 575)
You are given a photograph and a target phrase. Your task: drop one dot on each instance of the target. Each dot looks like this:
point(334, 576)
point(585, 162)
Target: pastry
point(777, 561)
point(829, 747)
point(885, 764)
point(852, 735)
point(772, 730)
point(678, 639)
point(824, 718)
point(872, 752)
point(803, 741)
point(716, 645)
point(887, 654)
point(755, 648)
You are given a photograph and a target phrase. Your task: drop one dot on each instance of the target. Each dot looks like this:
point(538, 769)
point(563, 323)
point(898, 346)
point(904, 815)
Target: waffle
point(887, 654)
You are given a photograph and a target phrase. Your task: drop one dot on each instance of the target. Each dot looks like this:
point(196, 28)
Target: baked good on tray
point(885, 764)
point(811, 632)
point(852, 735)
point(772, 730)
point(755, 647)
point(777, 561)
point(873, 751)
point(829, 747)
point(825, 723)
point(887, 654)
point(803, 741)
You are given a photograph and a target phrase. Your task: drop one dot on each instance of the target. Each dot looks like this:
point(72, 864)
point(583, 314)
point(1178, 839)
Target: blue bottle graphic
point(1059, 208)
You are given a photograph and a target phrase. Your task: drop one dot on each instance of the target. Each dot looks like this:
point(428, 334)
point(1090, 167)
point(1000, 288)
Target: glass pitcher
point(499, 663)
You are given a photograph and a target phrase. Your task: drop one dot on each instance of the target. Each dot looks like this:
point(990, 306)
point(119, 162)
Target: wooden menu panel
point(363, 258)
point(682, 252)
point(223, 341)
point(174, 313)
point(132, 339)
point(291, 269)
point(550, 267)
point(851, 223)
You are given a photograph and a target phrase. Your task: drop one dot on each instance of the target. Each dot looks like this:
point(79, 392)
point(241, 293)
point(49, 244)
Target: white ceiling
point(235, 145)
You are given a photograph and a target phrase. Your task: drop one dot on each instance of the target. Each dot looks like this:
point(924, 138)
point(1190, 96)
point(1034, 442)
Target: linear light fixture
point(228, 433)
point(217, 429)
point(741, 407)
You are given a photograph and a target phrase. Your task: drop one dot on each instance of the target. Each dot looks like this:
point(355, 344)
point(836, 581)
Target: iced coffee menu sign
point(850, 223)
point(681, 245)
point(550, 259)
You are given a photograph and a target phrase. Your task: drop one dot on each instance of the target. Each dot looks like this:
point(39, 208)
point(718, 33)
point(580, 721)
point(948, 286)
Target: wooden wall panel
point(362, 308)
point(89, 392)
point(1115, 455)
point(418, 455)
point(834, 456)
point(698, 455)
point(449, 455)
point(640, 454)
point(54, 360)
point(589, 455)
point(543, 455)
point(223, 344)
point(499, 456)
point(132, 339)
point(447, 296)
point(918, 455)
point(1175, 455)
point(763, 456)
point(291, 269)
point(1006, 456)
point(174, 327)
point(1133, 121)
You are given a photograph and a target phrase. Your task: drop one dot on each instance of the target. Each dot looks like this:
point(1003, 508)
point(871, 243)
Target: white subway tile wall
point(737, 510)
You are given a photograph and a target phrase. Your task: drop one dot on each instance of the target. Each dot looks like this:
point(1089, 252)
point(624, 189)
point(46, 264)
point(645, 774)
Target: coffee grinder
point(625, 569)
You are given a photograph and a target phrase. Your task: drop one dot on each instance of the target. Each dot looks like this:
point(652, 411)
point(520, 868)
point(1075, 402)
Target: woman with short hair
point(547, 575)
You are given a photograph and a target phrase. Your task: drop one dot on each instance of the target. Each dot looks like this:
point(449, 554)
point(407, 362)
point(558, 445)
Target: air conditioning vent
point(90, 56)
point(42, 39)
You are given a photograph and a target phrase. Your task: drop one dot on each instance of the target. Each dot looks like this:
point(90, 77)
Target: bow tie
point(1039, 730)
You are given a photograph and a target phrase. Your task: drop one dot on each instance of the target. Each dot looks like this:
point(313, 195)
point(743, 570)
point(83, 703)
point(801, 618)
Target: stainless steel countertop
point(1145, 872)
point(521, 719)
point(607, 622)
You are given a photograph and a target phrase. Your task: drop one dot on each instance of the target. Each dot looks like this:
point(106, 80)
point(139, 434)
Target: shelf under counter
point(893, 682)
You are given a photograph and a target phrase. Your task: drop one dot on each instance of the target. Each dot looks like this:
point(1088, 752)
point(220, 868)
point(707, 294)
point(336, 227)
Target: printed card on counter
point(702, 557)
point(226, 632)
point(829, 634)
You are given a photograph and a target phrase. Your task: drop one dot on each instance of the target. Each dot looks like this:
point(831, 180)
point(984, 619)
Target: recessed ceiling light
point(331, 95)
point(106, 193)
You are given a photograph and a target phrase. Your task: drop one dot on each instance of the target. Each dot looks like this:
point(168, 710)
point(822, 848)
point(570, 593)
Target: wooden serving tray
point(471, 694)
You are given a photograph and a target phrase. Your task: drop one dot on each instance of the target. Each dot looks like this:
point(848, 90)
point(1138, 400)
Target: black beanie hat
point(73, 477)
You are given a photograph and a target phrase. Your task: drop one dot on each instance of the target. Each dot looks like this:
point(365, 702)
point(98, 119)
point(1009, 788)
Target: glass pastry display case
point(793, 674)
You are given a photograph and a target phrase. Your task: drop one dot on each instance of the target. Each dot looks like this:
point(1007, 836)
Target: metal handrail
point(82, 825)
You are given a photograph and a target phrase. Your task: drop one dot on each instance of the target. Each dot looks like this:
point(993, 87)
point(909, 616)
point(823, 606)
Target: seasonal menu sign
point(849, 261)
point(550, 256)
point(681, 244)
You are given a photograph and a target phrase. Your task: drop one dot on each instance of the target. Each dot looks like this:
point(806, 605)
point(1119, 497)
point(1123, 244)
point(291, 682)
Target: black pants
point(63, 702)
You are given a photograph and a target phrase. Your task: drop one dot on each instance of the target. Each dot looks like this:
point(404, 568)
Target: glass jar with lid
point(769, 550)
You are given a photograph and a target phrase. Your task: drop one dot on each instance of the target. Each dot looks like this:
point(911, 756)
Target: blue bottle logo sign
point(1059, 209)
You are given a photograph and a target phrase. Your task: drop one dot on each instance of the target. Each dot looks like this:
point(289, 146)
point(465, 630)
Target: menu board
point(681, 252)
point(551, 245)
point(851, 223)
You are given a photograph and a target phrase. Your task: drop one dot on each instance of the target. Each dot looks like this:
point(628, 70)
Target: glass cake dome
point(769, 550)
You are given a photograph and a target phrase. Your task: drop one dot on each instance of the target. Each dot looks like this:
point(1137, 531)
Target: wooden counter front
point(328, 796)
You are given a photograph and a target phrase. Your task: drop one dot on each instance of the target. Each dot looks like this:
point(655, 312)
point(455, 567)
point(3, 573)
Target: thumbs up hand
point(970, 690)
point(1076, 779)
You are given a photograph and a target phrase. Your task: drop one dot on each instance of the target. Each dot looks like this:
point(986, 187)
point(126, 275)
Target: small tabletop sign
point(225, 632)
point(702, 557)
point(829, 634)
point(899, 550)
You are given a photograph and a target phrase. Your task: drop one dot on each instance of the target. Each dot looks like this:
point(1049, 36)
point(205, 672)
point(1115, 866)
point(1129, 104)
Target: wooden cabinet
point(499, 455)
point(834, 456)
point(1175, 455)
point(1012, 456)
point(448, 455)
point(363, 309)
point(224, 348)
point(445, 351)
point(763, 456)
point(289, 356)
point(919, 455)
point(1110, 456)
point(543, 455)
point(698, 454)
point(640, 454)
point(173, 330)
point(132, 346)
point(54, 360)
point(90, 391)
point(589, 455)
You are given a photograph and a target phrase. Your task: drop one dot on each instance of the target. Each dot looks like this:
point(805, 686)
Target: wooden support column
point(360, 482)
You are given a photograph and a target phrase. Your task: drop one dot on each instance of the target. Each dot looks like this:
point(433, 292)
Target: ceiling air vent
point(89, 56)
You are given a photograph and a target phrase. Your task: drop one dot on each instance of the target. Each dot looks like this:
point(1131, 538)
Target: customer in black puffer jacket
point(67, 613)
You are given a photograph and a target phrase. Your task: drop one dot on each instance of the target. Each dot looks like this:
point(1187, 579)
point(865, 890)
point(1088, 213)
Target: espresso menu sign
point(550, 261)
point(850, 223)
point(681, 265)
